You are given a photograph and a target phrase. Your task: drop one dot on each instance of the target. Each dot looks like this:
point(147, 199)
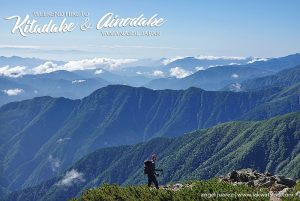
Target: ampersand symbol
point(86, 25)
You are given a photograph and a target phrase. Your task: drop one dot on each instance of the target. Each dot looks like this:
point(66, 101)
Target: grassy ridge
point(201, 190)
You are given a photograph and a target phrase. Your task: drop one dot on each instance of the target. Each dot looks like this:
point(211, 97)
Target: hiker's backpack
point(147, 166)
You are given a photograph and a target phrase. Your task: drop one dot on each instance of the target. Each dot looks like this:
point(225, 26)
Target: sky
point(203, 27)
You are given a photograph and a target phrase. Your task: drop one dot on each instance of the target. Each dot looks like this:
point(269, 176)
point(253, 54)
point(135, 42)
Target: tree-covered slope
point(43, 136)
point(287, 100)
point(270, 145)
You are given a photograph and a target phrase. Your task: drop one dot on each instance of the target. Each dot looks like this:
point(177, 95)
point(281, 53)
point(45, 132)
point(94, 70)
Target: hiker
point(149, 169)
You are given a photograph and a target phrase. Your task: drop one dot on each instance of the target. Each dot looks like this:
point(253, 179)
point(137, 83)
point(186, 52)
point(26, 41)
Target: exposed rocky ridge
point(277, 185)
point(251, 177)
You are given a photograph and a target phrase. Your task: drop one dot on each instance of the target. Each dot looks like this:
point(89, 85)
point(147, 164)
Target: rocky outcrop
point(250, 177)
point(176, 187)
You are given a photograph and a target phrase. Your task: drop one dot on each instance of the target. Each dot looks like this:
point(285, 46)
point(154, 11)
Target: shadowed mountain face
point(43, 136)
point(270, 145)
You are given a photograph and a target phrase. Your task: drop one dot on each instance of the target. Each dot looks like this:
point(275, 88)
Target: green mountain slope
point(51, 134)
point(271, 145)
point(287, 99)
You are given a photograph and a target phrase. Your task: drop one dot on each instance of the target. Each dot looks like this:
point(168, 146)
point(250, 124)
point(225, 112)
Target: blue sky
point(210, 27)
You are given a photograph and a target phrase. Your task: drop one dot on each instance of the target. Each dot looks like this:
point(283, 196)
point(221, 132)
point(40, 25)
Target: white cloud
point(99, 71)
point(220, 57)
point(71, 177)
point(54, 162)
point(197, 68)
point(85, 64)
point(16, 71)
point(158, 73)
point(47, 67)
point(139, 73)
point(257, 59)
point(179, 72)
point(60, 140)
point(13, 92)
point(234, 75)
point(170, 60)
point(236, 87)
point(212, 66)
point(78, 81)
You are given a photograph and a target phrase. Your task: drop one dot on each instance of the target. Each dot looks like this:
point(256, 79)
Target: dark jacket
point(152, 168)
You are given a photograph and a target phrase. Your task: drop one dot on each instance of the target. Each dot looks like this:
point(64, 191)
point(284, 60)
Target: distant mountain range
point(270, 145)
point(21, 61)
point(216, 78)
point(194, 63)
point(211, 79)
point(56, 84)
point(194, 71)
point(188, 64)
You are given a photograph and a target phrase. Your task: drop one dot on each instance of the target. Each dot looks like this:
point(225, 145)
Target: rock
point(250, 183)
point(190, 185)
point(274, 197)
point(233, 176)
point(273, 178)
point(277, 187)
point(259, 182)
point(178, 185)
point(267, 184)
point(285, 181)
point(268, 174)
point(284, 191)
point(240, 183)
point(243, 177)
point(251, 177)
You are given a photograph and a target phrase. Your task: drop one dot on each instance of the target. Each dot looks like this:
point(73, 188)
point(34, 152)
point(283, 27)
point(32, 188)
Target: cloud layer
point(13, 71)
point(49, 66)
